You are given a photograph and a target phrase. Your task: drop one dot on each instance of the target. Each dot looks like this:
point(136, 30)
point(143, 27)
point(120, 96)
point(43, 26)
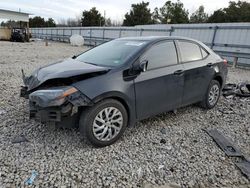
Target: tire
point(94, 118)
point(214, 87)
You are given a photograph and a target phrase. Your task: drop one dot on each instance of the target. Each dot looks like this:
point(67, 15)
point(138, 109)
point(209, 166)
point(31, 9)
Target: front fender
point(110, 86)
point(129, 105)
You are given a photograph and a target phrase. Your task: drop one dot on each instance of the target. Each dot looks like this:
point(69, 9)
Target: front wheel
point(212, 95)
point(104, 123)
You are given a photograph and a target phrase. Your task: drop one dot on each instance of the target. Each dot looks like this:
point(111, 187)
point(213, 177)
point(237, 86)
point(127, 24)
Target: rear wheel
point(104, 123)
point(212, 95)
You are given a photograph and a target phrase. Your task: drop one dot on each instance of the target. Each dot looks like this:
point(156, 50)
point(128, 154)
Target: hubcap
point(107, 124)
point(213, 94)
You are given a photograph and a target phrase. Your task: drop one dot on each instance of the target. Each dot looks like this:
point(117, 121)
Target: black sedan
point(111, 86)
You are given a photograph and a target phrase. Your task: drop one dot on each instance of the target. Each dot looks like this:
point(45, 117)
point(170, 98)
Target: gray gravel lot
point(189, 158)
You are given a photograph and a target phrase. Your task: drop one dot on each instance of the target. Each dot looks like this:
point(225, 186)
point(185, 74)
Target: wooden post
point(214, 36)
point(46, 41)
point(28, 32)
point(235, 62)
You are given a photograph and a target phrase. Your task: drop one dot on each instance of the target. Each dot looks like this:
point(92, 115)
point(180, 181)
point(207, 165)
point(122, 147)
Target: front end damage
point(56, 105)
point(51, 96)
point(59, 105)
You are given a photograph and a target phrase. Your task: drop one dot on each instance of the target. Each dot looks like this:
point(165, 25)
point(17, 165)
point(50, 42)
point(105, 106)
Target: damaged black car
point(111, 86)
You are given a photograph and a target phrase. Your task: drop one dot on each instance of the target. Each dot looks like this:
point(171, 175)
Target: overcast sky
point(115, 9)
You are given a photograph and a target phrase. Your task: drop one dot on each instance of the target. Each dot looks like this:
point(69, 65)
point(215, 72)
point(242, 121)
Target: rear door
point(198, 71)
point(160, 88)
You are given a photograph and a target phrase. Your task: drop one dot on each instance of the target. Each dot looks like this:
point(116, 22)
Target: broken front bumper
point(58, 105)
point(64, 116)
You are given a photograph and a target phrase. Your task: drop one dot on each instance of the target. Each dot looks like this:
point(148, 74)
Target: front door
point(159, 89)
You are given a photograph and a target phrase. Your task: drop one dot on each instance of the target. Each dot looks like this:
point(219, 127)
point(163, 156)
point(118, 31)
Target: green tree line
point(140, 14)
point(37, 21)
point(175, 13)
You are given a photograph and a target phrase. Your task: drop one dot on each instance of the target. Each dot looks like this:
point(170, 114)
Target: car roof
point(154, 38)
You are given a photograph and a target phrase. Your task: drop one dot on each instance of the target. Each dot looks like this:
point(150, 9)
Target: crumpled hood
point(62, 69)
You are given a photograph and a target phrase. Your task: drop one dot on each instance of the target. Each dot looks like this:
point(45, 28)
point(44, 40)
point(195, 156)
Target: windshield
point(112, 54)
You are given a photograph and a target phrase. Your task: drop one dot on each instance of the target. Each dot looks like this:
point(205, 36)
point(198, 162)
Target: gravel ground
point(167, 149)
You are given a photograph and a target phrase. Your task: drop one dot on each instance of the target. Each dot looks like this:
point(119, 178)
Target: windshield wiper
point(109, 66)
point(91, 63)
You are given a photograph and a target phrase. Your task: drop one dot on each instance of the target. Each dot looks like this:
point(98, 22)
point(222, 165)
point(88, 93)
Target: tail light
point(225, 62)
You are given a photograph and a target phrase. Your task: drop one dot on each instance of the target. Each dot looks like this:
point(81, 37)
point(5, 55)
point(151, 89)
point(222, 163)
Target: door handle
point(178, 72)
point(210, 64)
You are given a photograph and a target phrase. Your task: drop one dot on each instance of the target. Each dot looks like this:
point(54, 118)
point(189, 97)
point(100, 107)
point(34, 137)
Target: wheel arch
point(219, 79)
point(124, 100)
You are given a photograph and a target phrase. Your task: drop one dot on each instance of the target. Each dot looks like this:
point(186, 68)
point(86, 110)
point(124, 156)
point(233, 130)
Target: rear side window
point(161, 55)
point(190, 51)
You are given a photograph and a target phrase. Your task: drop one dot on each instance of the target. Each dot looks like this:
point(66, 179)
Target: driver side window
point(160, 55)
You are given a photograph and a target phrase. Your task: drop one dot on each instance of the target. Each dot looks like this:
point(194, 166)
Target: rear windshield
point(111, 54)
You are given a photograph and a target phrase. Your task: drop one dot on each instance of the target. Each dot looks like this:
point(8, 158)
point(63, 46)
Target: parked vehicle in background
point(19, 35)
point(109, 87)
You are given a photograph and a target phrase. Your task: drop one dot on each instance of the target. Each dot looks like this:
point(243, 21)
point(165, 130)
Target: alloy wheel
point(107, 124)
point(214, 94)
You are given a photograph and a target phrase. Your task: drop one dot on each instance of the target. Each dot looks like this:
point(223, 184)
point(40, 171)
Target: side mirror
point(141, 67)
point(144, 66)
